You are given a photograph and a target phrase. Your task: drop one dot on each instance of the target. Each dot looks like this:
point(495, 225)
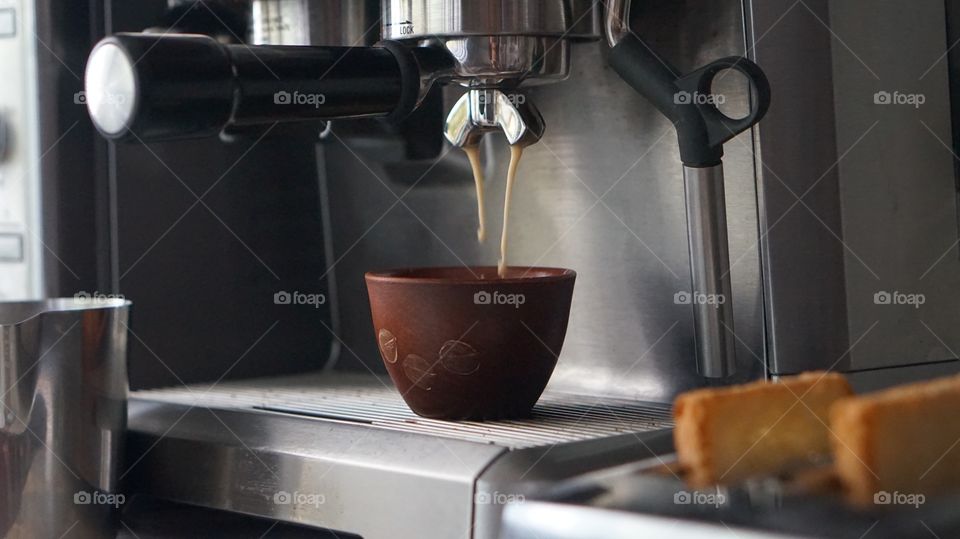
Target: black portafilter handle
point(148, 87)
point(702, 128)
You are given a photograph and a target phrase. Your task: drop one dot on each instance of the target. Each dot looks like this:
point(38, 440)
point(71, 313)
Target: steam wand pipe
point(701, 132)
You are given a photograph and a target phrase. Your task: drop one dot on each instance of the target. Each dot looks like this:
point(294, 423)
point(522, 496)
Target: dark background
point(119, 216)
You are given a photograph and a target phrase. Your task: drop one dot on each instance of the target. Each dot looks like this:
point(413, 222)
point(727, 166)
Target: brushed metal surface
point(507, 61)
point(346, 23)
point(425, 19)
point(334, 475)
point(496, 42)
point(858, 198)
point(342, 452)
point(803, 263)
point(558, 417)
point(602, 193)
point(897, 184)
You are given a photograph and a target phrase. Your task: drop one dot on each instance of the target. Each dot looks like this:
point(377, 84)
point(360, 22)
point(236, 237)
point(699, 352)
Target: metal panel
point(21, 264)
point(897, 186)
point(857, 197)
point(350, 443)
point(802, 262)
point(325, 474)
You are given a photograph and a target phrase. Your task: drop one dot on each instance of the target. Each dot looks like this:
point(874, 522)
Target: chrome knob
point(110, 88)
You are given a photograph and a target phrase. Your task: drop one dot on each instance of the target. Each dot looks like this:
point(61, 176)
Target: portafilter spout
point(702, 129)
point(480, 111)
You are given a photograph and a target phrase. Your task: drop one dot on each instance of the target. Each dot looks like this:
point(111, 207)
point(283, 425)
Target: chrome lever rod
point(710, 293)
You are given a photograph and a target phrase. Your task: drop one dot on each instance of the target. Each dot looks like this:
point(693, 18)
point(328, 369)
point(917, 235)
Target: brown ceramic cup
point(462, 343)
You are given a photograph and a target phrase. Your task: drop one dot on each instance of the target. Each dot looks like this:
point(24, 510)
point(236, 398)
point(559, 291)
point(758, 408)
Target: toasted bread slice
point(728, 434)
point(899, 443)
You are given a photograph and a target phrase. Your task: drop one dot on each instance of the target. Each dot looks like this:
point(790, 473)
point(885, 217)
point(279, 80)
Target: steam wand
point(701, 131)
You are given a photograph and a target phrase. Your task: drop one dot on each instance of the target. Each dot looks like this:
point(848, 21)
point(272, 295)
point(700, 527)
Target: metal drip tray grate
point(557, 418)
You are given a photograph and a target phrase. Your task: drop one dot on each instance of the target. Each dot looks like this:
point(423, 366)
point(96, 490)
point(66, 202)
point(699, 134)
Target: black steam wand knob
point(154, 87)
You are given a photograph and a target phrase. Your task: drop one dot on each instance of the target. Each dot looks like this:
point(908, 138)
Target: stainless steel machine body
point(858, 197)
point(62, 428)
point(598, 197)
point(347, 23)
point(345, 453)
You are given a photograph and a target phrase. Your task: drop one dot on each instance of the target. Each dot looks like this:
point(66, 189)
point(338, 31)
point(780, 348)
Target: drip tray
point(343, 452)
point(557, 418)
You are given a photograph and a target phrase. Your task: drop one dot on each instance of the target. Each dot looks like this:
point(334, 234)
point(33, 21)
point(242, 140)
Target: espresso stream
point(516, 153)
point(473, 153)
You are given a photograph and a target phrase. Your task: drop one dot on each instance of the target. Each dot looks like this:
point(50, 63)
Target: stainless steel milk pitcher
point(63, 392)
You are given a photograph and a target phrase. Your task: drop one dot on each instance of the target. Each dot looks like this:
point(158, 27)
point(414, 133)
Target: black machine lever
point(702, 128)
point(157, 87)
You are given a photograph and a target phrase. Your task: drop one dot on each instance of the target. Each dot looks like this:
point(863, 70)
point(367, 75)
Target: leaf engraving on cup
point(459, 357)
point(419, 371)
point(388, 345)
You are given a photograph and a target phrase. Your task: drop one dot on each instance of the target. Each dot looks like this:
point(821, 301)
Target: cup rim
point(534, 274)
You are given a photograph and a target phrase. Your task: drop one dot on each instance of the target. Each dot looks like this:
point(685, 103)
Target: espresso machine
point(691, 273)
point(146, 87)
point(137, 92)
